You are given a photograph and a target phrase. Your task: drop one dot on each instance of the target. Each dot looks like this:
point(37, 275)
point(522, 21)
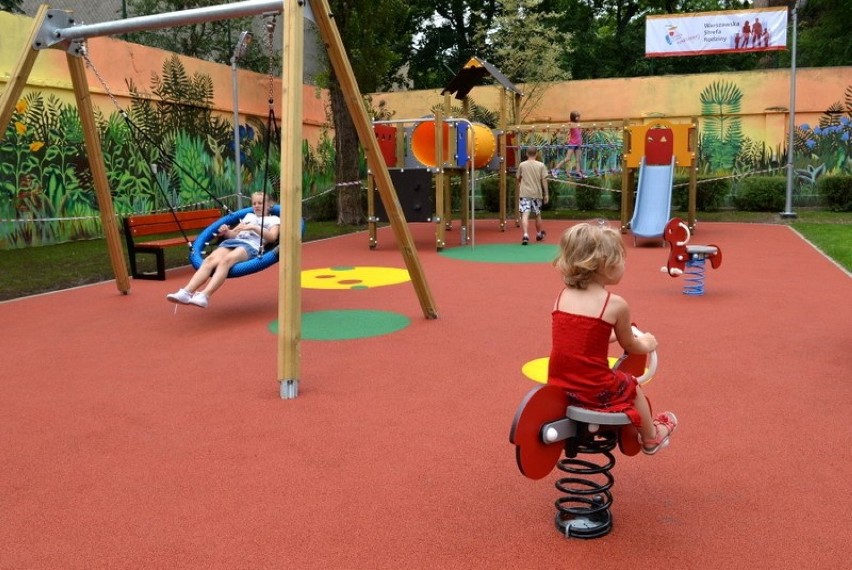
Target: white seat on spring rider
point(565, 428)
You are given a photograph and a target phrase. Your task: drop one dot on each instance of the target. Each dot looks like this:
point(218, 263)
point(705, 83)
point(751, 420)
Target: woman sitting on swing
point(242, 242)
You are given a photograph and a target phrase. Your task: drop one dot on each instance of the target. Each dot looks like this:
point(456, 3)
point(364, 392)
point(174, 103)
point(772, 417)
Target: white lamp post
point(239, 53)
point(788, 206)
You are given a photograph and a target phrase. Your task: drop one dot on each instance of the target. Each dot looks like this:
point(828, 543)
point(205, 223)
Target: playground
point(137, 435)
point(356, 406)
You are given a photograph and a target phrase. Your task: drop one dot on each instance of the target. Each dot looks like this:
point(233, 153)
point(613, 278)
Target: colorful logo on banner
point(672, 35)
point(704, 33)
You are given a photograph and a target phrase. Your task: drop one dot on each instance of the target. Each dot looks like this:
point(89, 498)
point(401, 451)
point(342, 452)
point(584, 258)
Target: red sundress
point(579, 363)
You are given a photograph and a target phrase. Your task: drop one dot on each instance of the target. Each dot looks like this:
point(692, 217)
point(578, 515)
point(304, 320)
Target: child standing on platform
point(586, 318)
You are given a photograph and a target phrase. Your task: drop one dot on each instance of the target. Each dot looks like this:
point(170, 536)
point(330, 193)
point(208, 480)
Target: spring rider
point(688, 260)
point(545, 425)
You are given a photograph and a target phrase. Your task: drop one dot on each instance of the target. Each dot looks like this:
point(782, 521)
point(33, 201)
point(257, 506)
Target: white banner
point(704, 33)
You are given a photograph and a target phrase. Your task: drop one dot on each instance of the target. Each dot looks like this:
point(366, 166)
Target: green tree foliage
point(604, 38)
point(212, 41)
point(373, 33)
point(13, 6)
point(446, 37)
point(526, 46)
point(823, 37)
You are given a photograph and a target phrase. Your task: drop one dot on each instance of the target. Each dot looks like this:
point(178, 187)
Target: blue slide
point(653, 200)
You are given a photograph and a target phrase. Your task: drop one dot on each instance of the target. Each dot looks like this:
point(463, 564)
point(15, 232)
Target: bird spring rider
point(688, 260)
point(545, 426)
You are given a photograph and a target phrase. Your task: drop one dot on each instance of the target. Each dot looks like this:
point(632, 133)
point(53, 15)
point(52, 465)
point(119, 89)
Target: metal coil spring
point(584, 510)
point(694, 276)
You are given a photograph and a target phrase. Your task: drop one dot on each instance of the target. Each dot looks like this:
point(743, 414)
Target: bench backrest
point(150, 224)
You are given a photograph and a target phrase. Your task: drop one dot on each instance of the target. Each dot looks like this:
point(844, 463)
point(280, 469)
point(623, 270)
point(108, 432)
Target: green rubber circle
point(348, 324)
point(505, 253)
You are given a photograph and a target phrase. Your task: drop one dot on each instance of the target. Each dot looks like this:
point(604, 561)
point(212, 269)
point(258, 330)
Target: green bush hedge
point(711, 193)
point(553, 190)
point(836, 191)
point(587, 198)
point(489, 189)
point(320, 208)
point(761, 194)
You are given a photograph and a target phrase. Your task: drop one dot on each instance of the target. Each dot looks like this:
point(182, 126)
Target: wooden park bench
point(140, 226)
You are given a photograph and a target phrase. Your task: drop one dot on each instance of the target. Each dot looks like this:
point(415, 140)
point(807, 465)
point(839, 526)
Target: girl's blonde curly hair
point(586, 249)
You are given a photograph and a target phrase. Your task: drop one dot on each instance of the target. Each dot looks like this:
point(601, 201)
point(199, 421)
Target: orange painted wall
point(118, 61)
point(766, 97)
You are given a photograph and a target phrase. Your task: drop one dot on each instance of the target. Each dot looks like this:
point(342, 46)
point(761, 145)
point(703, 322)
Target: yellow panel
point(684, 156)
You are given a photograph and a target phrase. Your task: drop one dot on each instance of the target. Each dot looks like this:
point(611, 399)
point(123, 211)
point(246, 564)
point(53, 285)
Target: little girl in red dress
point(586, 318)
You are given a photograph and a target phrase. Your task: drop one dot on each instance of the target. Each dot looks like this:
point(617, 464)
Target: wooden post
point(693, 174)
point(98, 168)
point(516, 109)
point(465, 195)
point(504, 154)
point(371, 210)
point(18, 80)
point(290, 267)
point(342, 68)
point(452, 150)
point(440, 180)
point(400, 146)
point(626, 180)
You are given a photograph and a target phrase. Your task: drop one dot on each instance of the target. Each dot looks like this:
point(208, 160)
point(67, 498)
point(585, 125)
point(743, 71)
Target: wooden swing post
point(343, 70)
point(99, 173)
point(290, 292)
point(9, 98)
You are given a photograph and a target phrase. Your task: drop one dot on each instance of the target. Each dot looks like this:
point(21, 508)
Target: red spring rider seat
point(688, 260)
point(545, 425)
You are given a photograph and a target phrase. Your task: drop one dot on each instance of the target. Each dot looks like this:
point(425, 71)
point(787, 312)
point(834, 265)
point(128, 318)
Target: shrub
point(761, 194)
point(710, 193)
point(321, 208)
point(553, 191)
point(489, 189)
point(836, 191)
point(587, 198)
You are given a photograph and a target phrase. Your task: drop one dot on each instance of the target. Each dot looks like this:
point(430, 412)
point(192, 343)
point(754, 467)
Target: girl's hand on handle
point(648, 340)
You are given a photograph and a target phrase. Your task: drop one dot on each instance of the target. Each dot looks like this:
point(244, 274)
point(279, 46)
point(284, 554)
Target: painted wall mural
point(166, 129)
point(161, 153)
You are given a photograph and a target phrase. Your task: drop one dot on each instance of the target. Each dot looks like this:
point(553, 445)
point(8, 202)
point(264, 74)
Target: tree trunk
point(346, 166)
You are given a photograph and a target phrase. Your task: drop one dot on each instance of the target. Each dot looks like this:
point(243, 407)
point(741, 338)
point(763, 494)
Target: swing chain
point(84, 53)
point(268, 45)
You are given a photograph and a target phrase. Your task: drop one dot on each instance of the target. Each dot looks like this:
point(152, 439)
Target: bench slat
point(154, 224)
point(166, 223)
point(161, 243)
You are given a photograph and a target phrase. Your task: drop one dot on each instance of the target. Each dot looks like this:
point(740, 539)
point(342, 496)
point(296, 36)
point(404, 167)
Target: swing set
point(268, 254)
point(57, 29)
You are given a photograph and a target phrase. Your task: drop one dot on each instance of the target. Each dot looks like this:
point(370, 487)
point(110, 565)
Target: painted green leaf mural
point(722, 134)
